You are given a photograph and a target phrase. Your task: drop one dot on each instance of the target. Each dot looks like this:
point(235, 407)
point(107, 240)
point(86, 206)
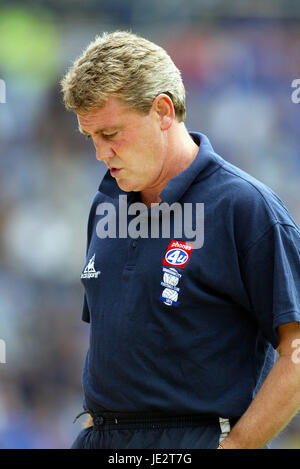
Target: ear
point(164, 109)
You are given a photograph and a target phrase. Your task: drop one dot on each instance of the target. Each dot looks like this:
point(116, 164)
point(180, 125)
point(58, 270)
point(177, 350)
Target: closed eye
point(110, 135)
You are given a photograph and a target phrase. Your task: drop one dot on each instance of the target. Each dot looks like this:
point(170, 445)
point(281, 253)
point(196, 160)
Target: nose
point(103, 149)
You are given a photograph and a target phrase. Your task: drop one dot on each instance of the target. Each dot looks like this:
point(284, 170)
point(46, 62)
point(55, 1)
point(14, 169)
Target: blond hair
point(127, 66)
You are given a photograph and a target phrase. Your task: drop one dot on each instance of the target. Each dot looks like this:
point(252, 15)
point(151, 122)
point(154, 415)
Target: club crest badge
point(170, 281)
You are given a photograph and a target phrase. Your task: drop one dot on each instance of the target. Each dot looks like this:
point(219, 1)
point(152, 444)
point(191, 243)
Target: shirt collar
point(205, 163)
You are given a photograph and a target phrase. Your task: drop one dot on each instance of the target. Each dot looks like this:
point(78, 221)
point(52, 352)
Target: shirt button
point(99, 420)
point(134, 244)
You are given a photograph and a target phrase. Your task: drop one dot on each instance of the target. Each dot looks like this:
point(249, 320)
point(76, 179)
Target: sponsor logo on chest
point(177, 255)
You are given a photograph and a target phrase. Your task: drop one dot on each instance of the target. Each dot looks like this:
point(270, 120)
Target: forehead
point(113, 113)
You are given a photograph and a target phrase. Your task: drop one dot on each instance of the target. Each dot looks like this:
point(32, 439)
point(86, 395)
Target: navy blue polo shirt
point(187, 330)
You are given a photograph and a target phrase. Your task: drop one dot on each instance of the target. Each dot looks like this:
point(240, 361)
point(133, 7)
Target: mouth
point(114, 171)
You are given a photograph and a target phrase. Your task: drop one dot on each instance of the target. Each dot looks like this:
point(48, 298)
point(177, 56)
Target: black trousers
point(152, 431)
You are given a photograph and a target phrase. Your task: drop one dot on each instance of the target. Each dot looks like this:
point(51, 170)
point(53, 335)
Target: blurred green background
point(238, 60)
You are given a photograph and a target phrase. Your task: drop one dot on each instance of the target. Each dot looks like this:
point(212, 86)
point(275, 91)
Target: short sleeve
point(271, 274)
point(85, 310)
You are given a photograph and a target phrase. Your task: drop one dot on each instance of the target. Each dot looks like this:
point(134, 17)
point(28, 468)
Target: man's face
point(130, 143)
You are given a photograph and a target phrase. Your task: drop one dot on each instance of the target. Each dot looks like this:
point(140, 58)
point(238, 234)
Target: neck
point(181, 150)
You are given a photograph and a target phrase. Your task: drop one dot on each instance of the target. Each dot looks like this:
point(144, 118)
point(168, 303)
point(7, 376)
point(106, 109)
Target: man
point(182, 336)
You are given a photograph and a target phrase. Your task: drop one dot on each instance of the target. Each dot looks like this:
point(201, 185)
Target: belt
point(151, 419)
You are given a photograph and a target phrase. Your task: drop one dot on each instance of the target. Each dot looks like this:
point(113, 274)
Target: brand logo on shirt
point(178, 254)
point(90, 271)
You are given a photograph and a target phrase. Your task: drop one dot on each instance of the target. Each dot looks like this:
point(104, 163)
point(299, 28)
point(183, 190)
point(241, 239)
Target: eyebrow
point(104, 129)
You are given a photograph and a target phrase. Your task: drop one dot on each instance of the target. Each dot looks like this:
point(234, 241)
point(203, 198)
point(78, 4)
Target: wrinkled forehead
point(114, 113)
point(105, 115)
point(88, 119)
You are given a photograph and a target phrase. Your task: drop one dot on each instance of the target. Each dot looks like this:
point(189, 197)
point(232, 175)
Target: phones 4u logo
point(2, 351)
point(2, 91)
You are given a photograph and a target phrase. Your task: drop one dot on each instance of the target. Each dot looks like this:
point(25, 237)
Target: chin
point(126, 186)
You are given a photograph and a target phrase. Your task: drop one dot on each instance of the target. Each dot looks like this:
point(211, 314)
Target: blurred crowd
point(238, 77)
